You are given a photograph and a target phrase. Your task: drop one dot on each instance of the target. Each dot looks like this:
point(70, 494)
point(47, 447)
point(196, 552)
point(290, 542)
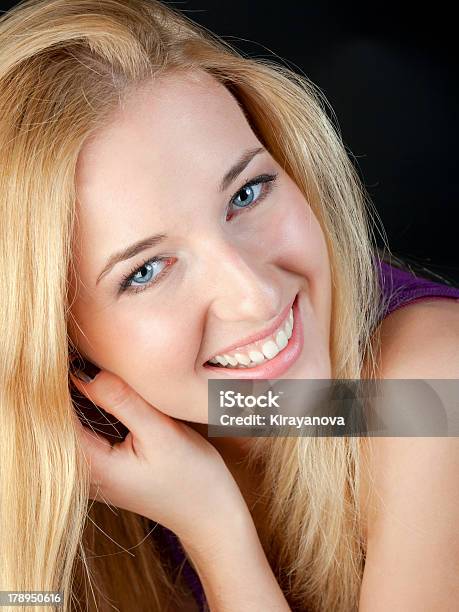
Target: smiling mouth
point(257, 352)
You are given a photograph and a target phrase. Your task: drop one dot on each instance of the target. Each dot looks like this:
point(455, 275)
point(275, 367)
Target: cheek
point(139, 342)
point(153, 350)
point(299, 247)
point(161, 341)
point(156, 355)
point(296, 238)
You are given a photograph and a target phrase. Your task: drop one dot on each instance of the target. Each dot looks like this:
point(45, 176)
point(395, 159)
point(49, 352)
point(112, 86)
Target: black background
point(389, 71)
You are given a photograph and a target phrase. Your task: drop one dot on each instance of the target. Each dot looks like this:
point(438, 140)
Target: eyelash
point(268, 182)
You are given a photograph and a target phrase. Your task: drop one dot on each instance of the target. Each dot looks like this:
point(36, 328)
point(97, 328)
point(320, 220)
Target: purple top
point(399, 288)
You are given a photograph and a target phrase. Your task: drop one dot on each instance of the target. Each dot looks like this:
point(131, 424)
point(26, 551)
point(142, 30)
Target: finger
point(116, 397)
point(104, 467)
point(92, 443)
point(96, 448)
point(97, 452)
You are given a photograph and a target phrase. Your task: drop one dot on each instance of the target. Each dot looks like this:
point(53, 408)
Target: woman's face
point(227, 262)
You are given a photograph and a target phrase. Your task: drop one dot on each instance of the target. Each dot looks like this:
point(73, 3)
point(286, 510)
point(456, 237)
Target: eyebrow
point(239, 167)
point(150, 241)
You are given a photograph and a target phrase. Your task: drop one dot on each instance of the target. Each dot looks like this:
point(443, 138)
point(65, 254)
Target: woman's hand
point(163, 469)
point(168, 472)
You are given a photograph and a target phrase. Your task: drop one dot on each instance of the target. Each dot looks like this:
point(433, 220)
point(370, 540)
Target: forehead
point(180, 122)
point(162, 154)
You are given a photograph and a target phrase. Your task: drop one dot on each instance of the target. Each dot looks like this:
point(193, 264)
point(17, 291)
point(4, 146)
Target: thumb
point(115, 396)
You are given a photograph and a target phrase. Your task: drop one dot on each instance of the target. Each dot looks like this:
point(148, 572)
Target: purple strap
point(401, 288)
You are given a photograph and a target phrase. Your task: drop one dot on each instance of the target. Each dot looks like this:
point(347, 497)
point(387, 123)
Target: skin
point(163, 154)
point(157, 169)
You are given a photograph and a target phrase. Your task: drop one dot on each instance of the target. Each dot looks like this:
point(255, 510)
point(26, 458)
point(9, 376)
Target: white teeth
point(266, 351)
point(281, 339)
point(242, 359)
point(270, 349)
point(256, 356)
point(231, 360)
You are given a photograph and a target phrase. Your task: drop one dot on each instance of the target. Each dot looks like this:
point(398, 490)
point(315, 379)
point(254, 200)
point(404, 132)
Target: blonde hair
point(64, 69)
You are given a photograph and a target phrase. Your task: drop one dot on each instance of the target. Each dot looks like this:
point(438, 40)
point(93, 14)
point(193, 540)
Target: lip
point(241, 344)
point(282, 361)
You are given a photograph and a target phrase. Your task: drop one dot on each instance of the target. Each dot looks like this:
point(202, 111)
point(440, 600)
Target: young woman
point(167, 204)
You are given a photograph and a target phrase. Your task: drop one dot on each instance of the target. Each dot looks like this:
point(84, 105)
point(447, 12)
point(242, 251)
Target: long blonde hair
point(65, 67)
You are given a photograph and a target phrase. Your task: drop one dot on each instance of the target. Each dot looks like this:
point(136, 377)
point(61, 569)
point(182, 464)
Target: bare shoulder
point(412, 542)
point(421, 340)
point(409, 494)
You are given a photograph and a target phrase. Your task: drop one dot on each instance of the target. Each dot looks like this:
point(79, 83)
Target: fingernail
point(88, 373)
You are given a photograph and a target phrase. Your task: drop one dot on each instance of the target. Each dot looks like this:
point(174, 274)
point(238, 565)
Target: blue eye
point(249, 196)
point(143, 274)
point(149, 269)
point(253, 192)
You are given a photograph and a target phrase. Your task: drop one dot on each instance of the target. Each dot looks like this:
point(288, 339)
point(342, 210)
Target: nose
point(243, 288)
